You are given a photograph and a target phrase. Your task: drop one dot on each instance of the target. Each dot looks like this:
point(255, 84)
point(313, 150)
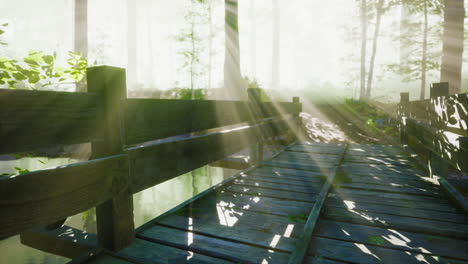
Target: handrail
point(105, 117)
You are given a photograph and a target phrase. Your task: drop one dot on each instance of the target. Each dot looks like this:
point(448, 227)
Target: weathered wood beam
point(65, 241)
point(38, 198)
point(303, 242)
point(34, 119)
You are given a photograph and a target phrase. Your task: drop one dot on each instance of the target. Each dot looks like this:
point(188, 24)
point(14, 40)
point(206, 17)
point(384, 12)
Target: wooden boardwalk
point(379, 209)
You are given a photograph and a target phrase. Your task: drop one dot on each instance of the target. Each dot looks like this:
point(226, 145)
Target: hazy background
point(319, 47)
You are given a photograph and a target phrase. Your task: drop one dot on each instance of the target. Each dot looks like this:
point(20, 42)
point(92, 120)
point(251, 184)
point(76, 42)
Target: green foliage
point(186, 94)
point(252, 83)
point(342, 177)
point(375, 119)
point(300, 218)
point(21, 170)
point(192, 42)
point(39, 69)
point(376, 240)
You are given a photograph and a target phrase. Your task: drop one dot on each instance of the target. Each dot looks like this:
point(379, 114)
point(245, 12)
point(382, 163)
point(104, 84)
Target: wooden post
point(462, 154)
point(439, 89)
point(299, 132)
point(115, 225)
point(439, 167)
point(256, 151)
point(404, 113)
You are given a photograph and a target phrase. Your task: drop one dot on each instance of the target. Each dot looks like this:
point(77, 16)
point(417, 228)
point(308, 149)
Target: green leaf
point(376, 240)
point(4, 25)
point(21, 171)
point(48, 59)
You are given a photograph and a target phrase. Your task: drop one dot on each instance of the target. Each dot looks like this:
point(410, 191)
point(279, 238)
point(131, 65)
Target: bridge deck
point(380, 209)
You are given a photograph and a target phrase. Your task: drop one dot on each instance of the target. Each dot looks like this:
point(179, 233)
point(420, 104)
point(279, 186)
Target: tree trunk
point(131, 45)
point(210, 42)
point(374, 47)
point(235, 87)
point(363, 47)
point(452, 51)
point(276, 39)
point(253, 37)
point(405, 32)
point(424, 54)
point(81, 34)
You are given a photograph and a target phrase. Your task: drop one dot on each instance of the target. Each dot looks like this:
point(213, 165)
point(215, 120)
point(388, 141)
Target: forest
point(304, 131)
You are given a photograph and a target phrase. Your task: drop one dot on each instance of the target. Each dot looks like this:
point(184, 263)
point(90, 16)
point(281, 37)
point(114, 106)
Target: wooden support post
point(439, 167)
point(299, 132)
point(462, 154)
point(439, 89)
point(256, 151)
point(115, 225)
point(404, 113)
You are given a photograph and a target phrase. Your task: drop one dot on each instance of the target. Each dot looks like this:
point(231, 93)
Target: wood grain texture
point(155, 163)
point(151, 119)
point(36, 119)
point(41, 197)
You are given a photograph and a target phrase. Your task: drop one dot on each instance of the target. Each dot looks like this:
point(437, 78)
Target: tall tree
point(253, 38)
point(421, 40)
point(379, 12)
point(276, 43)
point(131, 44)
point(234, 85)
point(422, 94)
point(452, 51)
point(364, 22)
point(81, 34)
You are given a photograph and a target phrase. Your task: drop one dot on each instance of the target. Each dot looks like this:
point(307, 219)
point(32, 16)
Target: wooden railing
point(437, 128)
point(136, 144)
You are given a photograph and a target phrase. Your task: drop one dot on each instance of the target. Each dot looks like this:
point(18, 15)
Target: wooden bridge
point(309, 203)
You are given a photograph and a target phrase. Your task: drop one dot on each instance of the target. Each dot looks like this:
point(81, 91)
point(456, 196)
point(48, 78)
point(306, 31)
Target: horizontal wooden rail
point(444, 112)
point(154, 164)
point(115, 125)
point(150, 119)
point(444, 143)
point(35, 119)
point(41, 197)
point(38, 198)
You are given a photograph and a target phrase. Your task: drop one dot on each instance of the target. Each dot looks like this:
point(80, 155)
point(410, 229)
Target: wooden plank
point(363, 253)
point(345, 193)
point(357, 198)
point(151, 119)
point(152, 164)
point(410, 182)
point(303, 242)
point(389, 238)
point(290, 165)
point(266, 205)
point(291, 180)
point(34, 119)
point(392, 189)
point(64, 191)
point(286, 171)
point(287, 195)
point(104, 259)
point(266, 238)
point(275, 186)
point(455, 230)
point(141, 251)
point(215, 247)
point(393, 209)
point(64, 241)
